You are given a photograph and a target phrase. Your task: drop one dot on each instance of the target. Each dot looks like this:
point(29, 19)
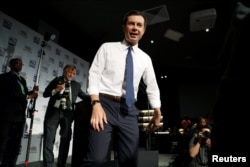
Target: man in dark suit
point(63, 92)
point(13, 102)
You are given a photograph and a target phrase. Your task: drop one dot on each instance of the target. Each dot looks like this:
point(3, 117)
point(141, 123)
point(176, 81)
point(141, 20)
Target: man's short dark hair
point(134, 13)
point(14, 61)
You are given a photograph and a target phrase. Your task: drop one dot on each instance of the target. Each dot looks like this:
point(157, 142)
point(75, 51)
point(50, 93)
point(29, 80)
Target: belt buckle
point(117, 98)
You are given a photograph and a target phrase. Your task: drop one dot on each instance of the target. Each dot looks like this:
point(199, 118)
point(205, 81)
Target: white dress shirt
point(107, 72)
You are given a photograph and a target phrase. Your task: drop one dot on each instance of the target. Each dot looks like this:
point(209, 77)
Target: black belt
point(114, 98)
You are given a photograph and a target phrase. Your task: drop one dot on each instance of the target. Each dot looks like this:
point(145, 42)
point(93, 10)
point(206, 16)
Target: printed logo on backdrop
point(2, 51)
point(58, 52)
point(55, 73)
point(82, 65)
point(61, 64)
point(44, 69)
point(66, 57)
point(77, 72)
point(37, 120)
point(12, 41)
point(33, 149)
point(51, 60)
point(39, 53)
point(23, 34)
point(36, 40)
point(11, 46)
point(7, 24)
point(74, 60)
point(32, 63)
point(27, 49)
point(34, 78)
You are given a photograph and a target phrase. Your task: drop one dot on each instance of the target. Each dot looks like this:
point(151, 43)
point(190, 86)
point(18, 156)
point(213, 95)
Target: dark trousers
point(11, 134)
point(51, 123)
point(123, 126)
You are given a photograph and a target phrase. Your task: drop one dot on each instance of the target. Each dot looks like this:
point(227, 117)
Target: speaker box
point(148, 158)
point(203, 19)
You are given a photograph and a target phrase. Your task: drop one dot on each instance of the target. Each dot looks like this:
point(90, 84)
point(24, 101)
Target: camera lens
point(63, 103)
point(61, 81)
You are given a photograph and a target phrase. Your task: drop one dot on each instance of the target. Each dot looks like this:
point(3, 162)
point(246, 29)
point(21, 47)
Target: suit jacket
point(12, 100)
point(76, 91)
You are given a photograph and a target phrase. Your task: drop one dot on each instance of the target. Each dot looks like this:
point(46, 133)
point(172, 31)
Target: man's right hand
point(33, 95)
point(59, 87)
point(98, 118)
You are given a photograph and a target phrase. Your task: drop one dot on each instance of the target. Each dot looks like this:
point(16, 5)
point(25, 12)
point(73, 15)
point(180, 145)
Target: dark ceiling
point(84, 24)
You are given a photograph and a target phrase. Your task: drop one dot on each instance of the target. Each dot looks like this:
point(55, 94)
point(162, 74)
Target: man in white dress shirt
point(111, 116)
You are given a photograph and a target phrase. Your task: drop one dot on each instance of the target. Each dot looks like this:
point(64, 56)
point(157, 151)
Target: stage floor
point(165, 160)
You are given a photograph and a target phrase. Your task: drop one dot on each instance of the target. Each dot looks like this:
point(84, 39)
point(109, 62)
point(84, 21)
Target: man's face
point(69, 74)
point(203, 122)
point(134, 29)
point(17, 67)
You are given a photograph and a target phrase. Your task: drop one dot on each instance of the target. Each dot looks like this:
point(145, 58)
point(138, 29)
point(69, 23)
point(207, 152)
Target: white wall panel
point(18, 40)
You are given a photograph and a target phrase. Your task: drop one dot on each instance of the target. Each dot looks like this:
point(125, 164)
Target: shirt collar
point(16, 73)
point(125, 45)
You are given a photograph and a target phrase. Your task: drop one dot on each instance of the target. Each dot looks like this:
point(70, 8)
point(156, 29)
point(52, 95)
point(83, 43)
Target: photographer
point(63, 92)
point(200, 145)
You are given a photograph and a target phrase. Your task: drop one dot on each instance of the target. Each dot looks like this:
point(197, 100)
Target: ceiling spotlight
point(164, 76)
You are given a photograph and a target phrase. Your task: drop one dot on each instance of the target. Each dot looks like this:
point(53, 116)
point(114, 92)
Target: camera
point(65, 96)
point(60, 80)
point(66, 91)
point(205, 135)
point(63, 103)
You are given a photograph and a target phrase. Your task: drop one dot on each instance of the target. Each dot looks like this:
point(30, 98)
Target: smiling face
point(134, 29)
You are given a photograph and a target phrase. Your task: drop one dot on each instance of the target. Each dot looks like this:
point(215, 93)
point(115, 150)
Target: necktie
point(68, 92)
point(130, 98)
point(20, 84)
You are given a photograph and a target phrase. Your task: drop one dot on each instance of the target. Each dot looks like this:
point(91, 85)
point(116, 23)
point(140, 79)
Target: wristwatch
point(93, 102)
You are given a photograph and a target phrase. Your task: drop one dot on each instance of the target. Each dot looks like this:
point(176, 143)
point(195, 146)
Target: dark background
point(82, 26)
